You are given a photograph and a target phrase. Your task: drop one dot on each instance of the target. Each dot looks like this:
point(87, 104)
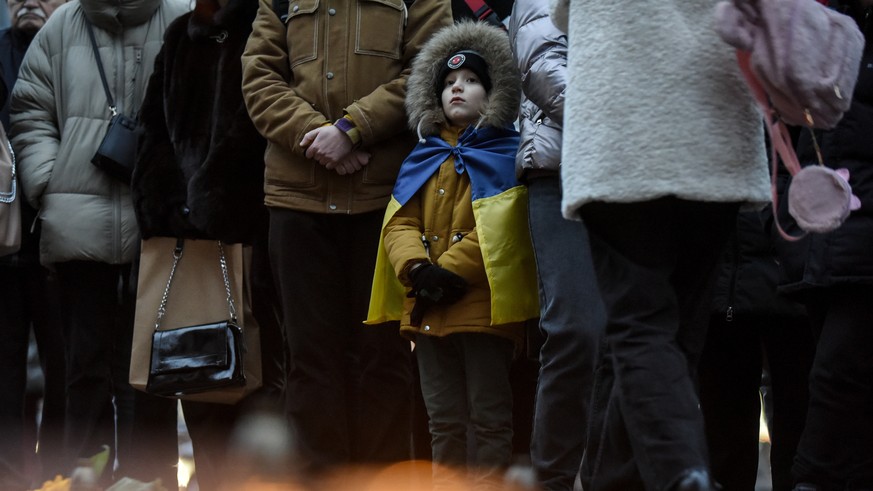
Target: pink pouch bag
point(801, 61)
point(805, 55)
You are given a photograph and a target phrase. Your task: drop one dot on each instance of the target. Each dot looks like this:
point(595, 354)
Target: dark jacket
point(748, 276)
point(200, 164)
point(13, 45)
point(846, 254)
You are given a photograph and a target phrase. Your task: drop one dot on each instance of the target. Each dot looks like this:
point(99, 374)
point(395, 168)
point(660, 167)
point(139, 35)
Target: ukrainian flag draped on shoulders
point(487, 155)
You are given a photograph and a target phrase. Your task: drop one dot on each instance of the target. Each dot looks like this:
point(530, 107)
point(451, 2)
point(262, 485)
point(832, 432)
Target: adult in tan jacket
point(325, 84)
point(59, 114)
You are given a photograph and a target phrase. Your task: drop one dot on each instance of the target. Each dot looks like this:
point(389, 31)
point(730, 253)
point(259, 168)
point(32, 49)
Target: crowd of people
point(425, 199)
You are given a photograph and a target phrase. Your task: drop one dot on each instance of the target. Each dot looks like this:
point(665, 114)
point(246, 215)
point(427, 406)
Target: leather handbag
point(198, 297)
point(10, 200)
point(116, 154)
point(117, 151)
point(195, 359)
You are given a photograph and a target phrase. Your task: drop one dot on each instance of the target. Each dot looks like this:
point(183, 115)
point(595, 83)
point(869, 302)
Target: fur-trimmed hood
point(425, 111)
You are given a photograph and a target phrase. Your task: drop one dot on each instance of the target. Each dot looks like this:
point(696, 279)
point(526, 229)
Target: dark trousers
point(572, 320)
point(211, 426)
point(98, 302)
point(28, 299)
point(836, 449)
point(655, 262)
point(730, 381)
point(465, 384)
point(349, 385)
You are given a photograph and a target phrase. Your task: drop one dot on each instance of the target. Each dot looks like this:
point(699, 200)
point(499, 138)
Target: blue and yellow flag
point(487, 155)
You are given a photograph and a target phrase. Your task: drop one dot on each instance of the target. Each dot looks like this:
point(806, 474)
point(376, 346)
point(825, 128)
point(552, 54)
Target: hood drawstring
point(418, 130)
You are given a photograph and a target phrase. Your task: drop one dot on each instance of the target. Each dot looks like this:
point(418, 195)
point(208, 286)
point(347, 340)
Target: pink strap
point(780, 140)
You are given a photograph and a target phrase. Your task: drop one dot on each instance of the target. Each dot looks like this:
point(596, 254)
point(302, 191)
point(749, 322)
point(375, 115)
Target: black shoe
point(694, 480)
point(805, 486)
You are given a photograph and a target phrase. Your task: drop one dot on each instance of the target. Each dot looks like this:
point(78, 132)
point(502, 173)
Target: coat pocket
point(380, 25)
point(302, 31)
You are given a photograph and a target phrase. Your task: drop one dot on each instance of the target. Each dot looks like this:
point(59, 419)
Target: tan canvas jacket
point(343, 57)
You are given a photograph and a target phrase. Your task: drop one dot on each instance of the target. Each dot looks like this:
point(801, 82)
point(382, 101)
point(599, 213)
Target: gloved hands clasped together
point(433, 285)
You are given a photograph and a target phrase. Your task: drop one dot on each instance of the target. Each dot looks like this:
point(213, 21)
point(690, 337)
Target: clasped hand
point(433, 285)
point(330, 147)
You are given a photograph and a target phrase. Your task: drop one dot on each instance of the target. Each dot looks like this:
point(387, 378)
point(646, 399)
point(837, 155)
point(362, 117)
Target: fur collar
point(211, 20)
point(425, 112)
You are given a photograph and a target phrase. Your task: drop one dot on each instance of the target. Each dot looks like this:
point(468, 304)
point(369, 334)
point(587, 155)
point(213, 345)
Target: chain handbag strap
point(9, 197)
point(177, 255)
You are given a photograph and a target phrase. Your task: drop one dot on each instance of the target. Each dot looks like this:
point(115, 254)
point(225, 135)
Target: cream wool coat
point(59, 116)
point(656, 107)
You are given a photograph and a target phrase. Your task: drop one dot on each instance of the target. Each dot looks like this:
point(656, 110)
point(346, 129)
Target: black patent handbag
point(195, 359)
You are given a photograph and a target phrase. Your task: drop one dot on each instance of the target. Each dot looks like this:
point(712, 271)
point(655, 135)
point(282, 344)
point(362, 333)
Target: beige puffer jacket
point(59, 115)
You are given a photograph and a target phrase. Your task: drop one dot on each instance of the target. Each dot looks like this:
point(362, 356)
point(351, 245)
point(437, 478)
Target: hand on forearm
point(326, 145)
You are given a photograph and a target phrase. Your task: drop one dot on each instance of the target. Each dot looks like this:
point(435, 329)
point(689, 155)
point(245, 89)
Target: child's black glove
point(432, 285)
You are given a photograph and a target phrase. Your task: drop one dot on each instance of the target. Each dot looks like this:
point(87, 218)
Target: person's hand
point(353, 162)
point(436, 283)
point(326, 145)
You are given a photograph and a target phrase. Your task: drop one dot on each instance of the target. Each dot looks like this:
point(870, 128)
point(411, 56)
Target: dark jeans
point(655, 264)
point(465, 384)
point(730, 381)
point(572, 320)
point(836, 449)
point(98, 302)
point(349, 385)
point(28, 299)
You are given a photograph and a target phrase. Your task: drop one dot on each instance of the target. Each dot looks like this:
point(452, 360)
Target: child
point(455, 265)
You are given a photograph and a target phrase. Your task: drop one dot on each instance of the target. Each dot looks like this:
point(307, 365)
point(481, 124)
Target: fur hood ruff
point(425, 111)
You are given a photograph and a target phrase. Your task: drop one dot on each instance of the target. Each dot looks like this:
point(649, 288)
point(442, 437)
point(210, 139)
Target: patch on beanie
point(456, 61)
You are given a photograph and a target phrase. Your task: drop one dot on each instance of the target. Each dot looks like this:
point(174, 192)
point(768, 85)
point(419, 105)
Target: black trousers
point(836, 449)
point(98, 304)
point(655, 262)
point(349, 385)
point(28, 299)
point(730, 379)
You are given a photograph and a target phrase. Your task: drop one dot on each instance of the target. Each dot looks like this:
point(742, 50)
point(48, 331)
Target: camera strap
point(109, 98)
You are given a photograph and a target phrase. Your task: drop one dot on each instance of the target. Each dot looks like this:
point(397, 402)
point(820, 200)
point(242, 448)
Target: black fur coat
point(200, 163)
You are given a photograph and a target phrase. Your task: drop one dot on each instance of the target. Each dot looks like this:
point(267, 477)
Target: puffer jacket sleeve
point(279, 114)
point(560, 14)
point(381, 114)
point(402, 238)
point(33, 118)
point(465, 259)
point(540, 52)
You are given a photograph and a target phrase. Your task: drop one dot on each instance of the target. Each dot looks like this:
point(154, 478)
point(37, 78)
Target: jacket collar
point(210, 20)
point(114, 15)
